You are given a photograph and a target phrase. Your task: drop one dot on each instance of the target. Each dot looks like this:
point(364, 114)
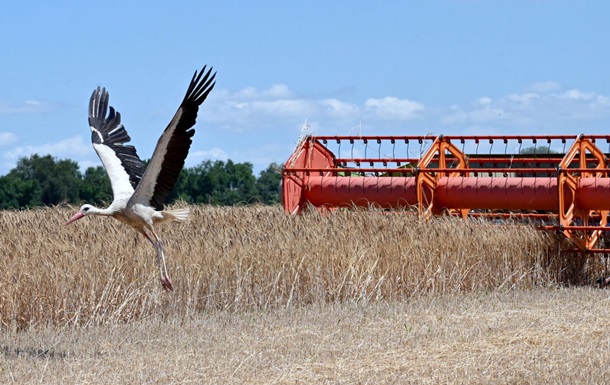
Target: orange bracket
point(574, 221)
point(427, 178)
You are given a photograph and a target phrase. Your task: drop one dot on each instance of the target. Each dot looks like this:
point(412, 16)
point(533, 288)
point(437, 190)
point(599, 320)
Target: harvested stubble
point(98, 271)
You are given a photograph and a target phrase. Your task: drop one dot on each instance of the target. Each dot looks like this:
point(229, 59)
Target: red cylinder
point(494, 193)
point(497, 193)
point(593, 194)
point(340, 191)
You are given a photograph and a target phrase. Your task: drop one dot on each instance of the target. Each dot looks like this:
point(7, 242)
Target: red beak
point(76, 216)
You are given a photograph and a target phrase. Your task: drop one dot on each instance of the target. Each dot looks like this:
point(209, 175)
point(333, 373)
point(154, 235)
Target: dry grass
point(98, 271)
point(540, 336)
point(263, 297)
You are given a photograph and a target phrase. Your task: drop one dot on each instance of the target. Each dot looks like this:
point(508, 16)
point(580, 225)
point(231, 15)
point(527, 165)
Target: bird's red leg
point(147, 237)
point(163, 275)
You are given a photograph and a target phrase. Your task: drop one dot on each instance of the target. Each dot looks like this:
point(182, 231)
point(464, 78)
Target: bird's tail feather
point(179, 214)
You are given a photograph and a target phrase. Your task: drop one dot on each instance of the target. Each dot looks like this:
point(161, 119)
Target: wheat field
point(99, 271)
point(264, 297)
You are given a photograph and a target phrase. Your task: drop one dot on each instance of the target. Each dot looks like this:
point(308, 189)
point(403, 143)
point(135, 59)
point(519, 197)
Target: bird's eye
point(85, 209)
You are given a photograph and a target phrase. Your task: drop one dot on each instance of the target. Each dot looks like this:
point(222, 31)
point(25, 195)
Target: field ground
point(262, 297)
point(550, 336)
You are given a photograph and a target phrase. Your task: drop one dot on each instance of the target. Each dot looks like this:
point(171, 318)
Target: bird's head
point(84, 210)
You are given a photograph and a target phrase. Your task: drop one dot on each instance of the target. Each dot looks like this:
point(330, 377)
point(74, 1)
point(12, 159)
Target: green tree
point(216, 182)
point(17, 193)
point(95, 187)
point(537, 150)
point(240, 184)
point(186, 186)
point(59, 181)
point(44, 180)
point(268, 184)
point(225, 183)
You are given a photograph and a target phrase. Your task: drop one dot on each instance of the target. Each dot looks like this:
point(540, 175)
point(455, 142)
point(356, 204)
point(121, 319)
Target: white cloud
point(484, 110)
point(252, 109)
point(335, 107)
point(541, 105)
point(276, 111)
point(276, 91)
point(68, 148)
point(543, 87)
point(389, 108)
point(576, 95)
point(7, 138)
point(602, 101)
point(284, 107)
point(26, 107)
point(523, 98)
point(213, 153)
point(484, 101)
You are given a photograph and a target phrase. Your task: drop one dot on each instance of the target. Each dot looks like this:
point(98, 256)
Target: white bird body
point(140, 191)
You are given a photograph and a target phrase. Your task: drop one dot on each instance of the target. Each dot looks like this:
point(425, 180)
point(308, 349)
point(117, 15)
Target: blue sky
point(387, 68)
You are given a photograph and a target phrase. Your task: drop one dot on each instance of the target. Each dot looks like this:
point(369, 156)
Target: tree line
point(46, 181)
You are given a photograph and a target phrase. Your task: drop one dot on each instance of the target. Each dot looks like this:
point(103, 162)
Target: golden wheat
point(99, 271)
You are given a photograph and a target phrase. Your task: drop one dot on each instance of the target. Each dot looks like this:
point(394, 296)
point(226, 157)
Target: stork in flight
point(139, 190)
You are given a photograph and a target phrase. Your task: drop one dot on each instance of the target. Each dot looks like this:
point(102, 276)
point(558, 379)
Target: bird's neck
point(103, 212)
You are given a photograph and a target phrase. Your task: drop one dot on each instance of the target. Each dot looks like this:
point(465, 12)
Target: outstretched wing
point(173, 146)
point(109, 138)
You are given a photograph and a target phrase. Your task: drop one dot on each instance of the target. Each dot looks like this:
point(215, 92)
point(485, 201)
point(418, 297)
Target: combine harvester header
point(562, 181)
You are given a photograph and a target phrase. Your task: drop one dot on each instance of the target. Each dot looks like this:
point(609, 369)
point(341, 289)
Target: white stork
point(139, 190)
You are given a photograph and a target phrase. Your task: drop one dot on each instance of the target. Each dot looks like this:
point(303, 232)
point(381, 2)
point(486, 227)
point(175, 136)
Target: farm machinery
point(559, 182)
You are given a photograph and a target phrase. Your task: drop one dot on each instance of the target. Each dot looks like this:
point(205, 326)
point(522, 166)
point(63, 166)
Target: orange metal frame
point(593, 164)
point(570, 190)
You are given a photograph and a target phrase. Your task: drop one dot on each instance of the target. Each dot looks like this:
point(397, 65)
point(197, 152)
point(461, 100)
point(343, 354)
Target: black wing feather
point(110, 132)
point(180, 141)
